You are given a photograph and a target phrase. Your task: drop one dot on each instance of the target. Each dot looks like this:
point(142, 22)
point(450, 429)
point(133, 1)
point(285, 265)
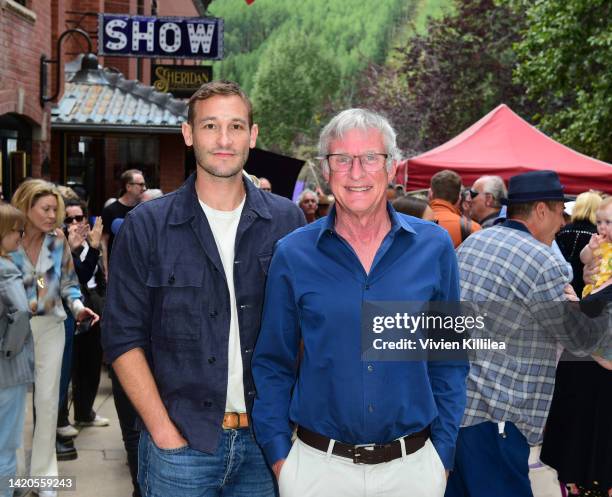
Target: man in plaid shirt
point(511, 270)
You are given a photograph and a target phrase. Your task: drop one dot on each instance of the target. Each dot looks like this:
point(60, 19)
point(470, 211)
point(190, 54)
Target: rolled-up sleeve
point(275, 361)
point(127, 313)
point(448, 378)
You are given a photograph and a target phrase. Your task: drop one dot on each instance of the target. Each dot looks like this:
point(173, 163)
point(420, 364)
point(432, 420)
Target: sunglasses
point(70, 219)
point(473, 193)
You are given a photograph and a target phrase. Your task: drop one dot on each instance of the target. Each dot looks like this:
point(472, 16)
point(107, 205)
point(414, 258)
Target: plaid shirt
point(520, 281)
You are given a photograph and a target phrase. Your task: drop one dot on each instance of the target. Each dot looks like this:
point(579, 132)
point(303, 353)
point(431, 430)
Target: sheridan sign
point(181, 81)
point(167, 37)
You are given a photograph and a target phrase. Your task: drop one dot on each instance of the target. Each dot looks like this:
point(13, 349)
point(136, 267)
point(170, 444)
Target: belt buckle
point(233, 426)
point(363, 454)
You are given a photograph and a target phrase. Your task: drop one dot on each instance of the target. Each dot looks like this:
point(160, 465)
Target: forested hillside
point(298, 59)
point(301, 60)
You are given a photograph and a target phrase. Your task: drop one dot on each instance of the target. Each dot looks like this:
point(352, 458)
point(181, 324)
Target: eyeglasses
point(371, 162)
point(141, 185)
point(71, 219)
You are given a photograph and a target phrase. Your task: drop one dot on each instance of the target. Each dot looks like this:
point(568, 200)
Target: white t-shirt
point(224, 225)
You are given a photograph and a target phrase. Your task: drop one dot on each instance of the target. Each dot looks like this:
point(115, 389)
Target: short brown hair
point(126, 178)
point(413, 206)
point(31, 190)
point(10, 218)
point(523, 210)
point(224, 88)
point(446, 185)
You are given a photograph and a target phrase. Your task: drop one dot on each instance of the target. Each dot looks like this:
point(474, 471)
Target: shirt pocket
point(180, 300)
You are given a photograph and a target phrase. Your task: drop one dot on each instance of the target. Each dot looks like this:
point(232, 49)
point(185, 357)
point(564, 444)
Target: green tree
point(294, 80)
point(565, 62)
point(296, 57)
point(447, 78)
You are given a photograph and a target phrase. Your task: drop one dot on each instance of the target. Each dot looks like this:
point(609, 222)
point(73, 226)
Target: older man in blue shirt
point(319, 278)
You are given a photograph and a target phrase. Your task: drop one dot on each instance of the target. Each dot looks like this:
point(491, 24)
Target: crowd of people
point(231, 324)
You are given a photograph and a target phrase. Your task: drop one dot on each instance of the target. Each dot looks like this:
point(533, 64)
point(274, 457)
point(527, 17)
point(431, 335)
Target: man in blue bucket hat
point(509, 392)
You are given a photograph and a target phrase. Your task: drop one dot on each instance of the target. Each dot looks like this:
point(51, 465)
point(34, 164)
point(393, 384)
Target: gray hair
point(362, 119)
point(152, 193)
point(496, 187)
point(304, 193)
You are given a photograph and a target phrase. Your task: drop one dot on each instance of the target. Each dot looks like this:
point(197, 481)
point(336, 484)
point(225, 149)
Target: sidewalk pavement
point(101, 469)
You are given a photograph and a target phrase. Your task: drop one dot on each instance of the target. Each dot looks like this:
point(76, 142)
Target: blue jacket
point(168, 295)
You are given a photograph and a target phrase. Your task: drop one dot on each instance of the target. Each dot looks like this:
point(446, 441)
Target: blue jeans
point(236, 469)
point(12, 416)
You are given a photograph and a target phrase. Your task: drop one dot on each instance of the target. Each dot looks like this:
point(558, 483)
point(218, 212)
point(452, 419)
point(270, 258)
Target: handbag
point(14, 332)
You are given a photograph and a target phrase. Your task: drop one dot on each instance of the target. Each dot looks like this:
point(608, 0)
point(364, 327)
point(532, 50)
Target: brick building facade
point(25, 34)
point(32, 145)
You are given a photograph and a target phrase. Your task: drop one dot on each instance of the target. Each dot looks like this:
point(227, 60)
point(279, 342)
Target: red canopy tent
point(503, 144)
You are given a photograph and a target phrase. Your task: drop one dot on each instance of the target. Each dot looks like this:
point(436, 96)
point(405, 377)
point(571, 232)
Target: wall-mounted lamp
point(89, 72)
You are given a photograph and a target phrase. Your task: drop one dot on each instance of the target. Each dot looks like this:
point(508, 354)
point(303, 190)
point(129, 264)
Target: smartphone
point(84, 325)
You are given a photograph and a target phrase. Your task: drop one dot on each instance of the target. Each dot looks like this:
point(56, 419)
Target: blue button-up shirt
point(315, 290)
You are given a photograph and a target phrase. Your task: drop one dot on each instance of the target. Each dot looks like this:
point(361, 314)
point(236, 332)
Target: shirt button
point(367, 287)
point(212, 360)
point(248, 351)
point(212, 314)
point(370, 368)
point(207, 403)
point(251, 393)
point(371, 408)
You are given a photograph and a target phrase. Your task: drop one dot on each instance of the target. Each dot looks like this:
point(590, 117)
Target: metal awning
point(121, 105)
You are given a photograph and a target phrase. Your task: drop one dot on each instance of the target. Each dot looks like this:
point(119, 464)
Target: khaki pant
point(308, 472)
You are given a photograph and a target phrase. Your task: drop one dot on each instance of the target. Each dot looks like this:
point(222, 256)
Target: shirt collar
point(187, 203)
point(515, 225)
point(328, 223)
point(444, 204)
point(493, 215)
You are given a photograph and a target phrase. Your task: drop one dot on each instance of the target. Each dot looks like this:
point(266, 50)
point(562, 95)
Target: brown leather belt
point(366, 454)
point(235, 420)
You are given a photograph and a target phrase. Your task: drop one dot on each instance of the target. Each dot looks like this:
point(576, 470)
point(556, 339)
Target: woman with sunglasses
point(85, 247)
point(49, 278)
point(16, 346)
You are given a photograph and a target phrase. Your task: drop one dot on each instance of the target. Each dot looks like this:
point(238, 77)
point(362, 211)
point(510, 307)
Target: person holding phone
point(45, 262)
point(85, 247)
